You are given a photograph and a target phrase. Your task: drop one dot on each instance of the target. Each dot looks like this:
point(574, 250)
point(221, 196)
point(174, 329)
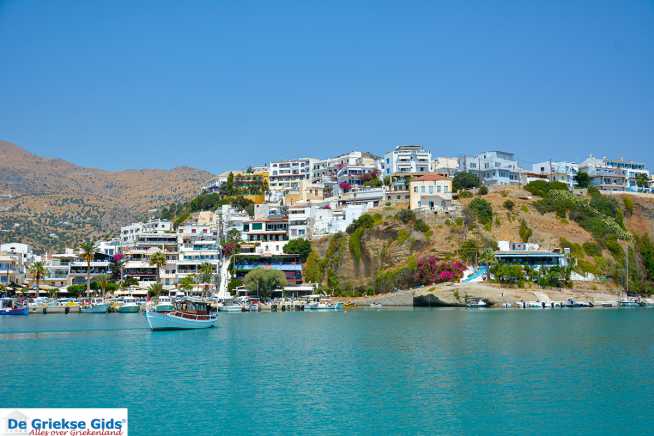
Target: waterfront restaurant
point(289, 264)
point(532, 258)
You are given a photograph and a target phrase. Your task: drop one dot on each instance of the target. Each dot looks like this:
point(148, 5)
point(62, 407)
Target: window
point(257, 226)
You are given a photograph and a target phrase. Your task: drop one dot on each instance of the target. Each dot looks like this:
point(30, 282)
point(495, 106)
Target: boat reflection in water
point(189, 313)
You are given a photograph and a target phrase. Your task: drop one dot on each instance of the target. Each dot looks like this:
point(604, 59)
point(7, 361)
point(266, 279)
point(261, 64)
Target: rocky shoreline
point(453, 295)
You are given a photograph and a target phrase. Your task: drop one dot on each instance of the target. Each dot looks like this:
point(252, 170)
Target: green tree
point(313, 268)
point(87, 253)
point(300, 246)
point(155, 290)
point(206, 275)
point(103, 283)
point(582, 180)
point(127, 282)
point(37, 271)
point(230, 184)
point(481, 210)
point(508, 205)
point(263, 281)
point(233, 235)
point(465, 180)
point(187, 283)
point(469, 251)
point(641, 180)
point(158, 260)
point(525, 231)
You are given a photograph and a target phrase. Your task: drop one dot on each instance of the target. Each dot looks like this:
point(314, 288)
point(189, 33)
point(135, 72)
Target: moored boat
point(629, 302)
point(9, 306)
point(164, 304)
point(476, 303)
point(97, 305)
point(129, 305)
point(190, 313)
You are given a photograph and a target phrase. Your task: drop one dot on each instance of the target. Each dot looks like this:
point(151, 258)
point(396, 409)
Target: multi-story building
point(602, 176)
point(372, 197)
point(306, 191)
point(78, 270)
point(131, 232)
point(289, 264)
point(325, 170)
point(229, 218)
point(560, 171)
point(407, 159)
point(10, 270)
point(286, 175)
point(251, 184)
point(635, 173)
point(269, 233)
point(198, 244)
point(447, 166)
point(492, 167)
point(431, 191)
point(23, 255)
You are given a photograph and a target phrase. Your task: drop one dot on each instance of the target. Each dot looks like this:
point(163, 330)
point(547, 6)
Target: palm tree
point(103, 283)
point(154, 290)
point(206, 275)
point(127, 282)
point(37, 270)
point(158, 260)
point(87, 249)
point(187, 283)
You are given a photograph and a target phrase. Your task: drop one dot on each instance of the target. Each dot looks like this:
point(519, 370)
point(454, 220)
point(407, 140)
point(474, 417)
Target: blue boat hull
point(18, 311)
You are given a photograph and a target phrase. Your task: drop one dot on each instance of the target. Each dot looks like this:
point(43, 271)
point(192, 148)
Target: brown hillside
point(55, 203)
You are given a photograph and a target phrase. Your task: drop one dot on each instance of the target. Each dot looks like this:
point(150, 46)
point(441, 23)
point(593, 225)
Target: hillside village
point(359, 224)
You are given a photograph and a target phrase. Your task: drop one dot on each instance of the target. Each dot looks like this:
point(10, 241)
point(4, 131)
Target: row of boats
point(569, 303)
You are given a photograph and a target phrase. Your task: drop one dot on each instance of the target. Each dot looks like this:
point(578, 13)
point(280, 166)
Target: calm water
point(422, 371)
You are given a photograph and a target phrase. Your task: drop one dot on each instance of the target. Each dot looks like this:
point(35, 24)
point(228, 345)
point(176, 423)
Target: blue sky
point(219, 84)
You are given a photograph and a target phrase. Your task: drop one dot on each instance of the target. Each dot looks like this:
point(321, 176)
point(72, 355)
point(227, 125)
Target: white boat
point(628, 302)
point(376, 306)
point(574, 303)
point(323, 307)
point(188, 314)
point(129, 305)
point(97, 305)
point(476, 303)
point(164, 304)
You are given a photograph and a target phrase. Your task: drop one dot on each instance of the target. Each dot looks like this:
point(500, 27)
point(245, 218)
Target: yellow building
point(306, 192)
point(430, 191)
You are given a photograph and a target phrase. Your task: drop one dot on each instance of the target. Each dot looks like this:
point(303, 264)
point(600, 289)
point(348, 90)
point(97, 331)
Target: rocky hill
point(382, 256)
point(52, 203)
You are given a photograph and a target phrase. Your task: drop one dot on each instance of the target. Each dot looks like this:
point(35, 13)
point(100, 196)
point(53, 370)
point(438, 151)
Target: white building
point(285, 175)
point(631, 170)
point(560, 171)
point(197, 244)
point(447, 166)
point(407, 159)
point(131, 232)
point(603, 176)
point(310, 221)
point(492, 167)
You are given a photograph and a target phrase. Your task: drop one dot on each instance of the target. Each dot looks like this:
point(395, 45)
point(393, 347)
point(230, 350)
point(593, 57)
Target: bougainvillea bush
point(431, 269)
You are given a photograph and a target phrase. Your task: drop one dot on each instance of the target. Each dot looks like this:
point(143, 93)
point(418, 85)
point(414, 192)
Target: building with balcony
point(432, 192)
point(289, 264)
point(602, 176)
point(407, 159)
point(492, 167)
point(286, 175)
point(559, 171)
point(130, 233)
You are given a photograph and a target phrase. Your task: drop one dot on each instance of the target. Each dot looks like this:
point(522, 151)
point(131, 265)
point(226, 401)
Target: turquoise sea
point(368, 372)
